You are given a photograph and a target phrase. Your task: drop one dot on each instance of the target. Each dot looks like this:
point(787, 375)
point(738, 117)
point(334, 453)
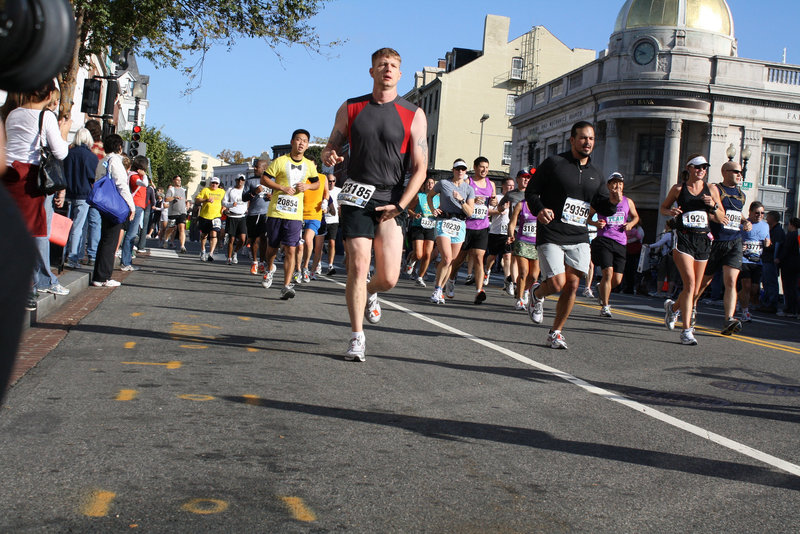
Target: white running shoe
point(235, 259)
point(357, 350)
point(536, 308)
point(486, 279)
point(410, 267)
point(297, 277)
point(605, 311)
point(510, 287)
point(267, 281)
point(746, 317)
point(287, 292)
point(107, 283)
point(588, 293)
point(556, 340)
point(437, 297)
point(520, 305)
point(373, 309)
point(318, 270)
point(670, 317)
point(687, 338)
point(420, 282)
point(450, 289)
point(306, 276)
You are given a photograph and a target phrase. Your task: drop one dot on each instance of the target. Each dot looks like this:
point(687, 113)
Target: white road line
point(163, 253)
point(741, 448)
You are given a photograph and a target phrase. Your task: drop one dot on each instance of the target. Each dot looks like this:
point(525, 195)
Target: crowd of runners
point(549, 228)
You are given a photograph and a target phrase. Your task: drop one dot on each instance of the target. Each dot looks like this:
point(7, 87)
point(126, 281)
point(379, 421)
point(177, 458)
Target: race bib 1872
point(575, 212)
point(355, 194)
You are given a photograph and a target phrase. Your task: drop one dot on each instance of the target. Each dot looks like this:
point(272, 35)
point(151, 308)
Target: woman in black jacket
point(79, 169)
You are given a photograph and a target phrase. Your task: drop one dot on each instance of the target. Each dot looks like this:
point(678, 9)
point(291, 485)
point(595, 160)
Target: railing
point(783, 75)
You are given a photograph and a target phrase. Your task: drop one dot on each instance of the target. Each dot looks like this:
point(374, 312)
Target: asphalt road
point(193, 400)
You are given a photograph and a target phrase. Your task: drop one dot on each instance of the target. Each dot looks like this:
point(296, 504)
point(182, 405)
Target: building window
point(778, 160)
point(650, 156)
point(436, 100)
point(432, 150)
point(507, 152)
point(132, 115)
point(557, 88)
point(576, 80)
point(516, 68)
point(510, 105)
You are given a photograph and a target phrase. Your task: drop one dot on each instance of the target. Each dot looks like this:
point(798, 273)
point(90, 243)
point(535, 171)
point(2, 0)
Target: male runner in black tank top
point(386, 136)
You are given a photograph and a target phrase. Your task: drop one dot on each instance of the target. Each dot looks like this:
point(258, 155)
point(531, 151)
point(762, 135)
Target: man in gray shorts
point(560, 193)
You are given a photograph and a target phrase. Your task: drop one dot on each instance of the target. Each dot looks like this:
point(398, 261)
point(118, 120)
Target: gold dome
point(707, 15)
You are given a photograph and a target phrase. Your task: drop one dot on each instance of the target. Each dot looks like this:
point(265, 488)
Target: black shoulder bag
point(51, 169)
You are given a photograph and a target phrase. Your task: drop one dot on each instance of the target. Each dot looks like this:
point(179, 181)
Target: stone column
point(672, 165)
point(611, 159)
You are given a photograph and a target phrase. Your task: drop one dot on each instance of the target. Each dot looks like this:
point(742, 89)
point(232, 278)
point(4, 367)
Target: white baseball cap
point(615, 176)
point(215, 180)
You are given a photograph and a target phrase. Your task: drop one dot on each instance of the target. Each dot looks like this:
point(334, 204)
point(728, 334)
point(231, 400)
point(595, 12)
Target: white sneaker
point(746, 317)
point(306, 276)
point(373, 309)
point(670, 317)
point(357, 350)
point(520, 305)
point(420, 282)
point(687, 338)
point(296, 277)
point(525, 299)
point(55, 289)
point(107, 283)
point(588, 293)
point(450, 289)
point(410, 268)
point(556, 340)
point(536, 308)
point(486, 279)
point(437, 297)
point(235, 259)
point(204, 256)
point(267, 281)
point(510, 287)
point(287, 292)
point(605, 311)
point(129, 268)
point(230, 261)
point(318, 270)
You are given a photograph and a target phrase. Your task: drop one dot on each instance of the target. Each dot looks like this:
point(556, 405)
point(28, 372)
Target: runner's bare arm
point(634, 215)
point(330, 154)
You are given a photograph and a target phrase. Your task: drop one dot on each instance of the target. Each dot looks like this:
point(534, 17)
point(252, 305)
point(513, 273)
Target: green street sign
point(746, 186)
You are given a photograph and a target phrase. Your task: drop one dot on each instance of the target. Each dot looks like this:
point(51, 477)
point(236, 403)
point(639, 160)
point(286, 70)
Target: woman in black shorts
point(691, 203)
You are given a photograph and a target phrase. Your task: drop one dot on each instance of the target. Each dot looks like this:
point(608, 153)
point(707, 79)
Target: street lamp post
point(730, 152)
point(746, 153)
point(480, 144)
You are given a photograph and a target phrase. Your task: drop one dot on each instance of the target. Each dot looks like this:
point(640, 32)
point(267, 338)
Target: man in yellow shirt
point(288, 176)
point(208, 221)
point(315, 203)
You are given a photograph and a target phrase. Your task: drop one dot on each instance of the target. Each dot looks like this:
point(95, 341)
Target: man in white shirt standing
point(235, 225)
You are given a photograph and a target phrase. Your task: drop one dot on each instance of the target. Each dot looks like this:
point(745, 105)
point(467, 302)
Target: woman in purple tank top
point(522, 232)
point(608, 248)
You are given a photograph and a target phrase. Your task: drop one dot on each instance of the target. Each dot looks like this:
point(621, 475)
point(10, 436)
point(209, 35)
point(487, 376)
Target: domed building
point(670, 84)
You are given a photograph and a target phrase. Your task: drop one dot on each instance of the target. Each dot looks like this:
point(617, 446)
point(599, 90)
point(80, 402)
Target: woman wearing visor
point(691, 203)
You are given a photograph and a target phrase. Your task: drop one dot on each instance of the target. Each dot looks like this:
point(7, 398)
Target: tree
point(167, 158)
point(170, 33)
point(233, 158)
point(314, 153)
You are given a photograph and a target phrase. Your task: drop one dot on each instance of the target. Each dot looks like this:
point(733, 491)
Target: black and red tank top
point(380, 144)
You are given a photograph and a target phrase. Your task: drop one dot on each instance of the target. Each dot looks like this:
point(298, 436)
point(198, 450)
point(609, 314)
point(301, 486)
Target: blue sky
point(250, 99)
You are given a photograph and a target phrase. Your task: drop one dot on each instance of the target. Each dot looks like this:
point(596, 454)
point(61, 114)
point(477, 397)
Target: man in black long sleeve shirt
point(560, 193)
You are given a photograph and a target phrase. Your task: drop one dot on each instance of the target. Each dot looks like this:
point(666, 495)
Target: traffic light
point(137, 147)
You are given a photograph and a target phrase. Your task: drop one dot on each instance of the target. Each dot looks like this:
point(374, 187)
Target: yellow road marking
point(126, 394)
point(98, 503)
point(244, 318)
point(298, 509)
point(168, 365)
point(251, 399)
point(194, 346)
point(205, 506)
point(252, 349)
point(194, 397)
point(752, 341)
point(137, 314)
point(130, 344)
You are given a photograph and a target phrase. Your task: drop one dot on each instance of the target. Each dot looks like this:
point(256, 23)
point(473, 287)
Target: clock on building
point(644, 53)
